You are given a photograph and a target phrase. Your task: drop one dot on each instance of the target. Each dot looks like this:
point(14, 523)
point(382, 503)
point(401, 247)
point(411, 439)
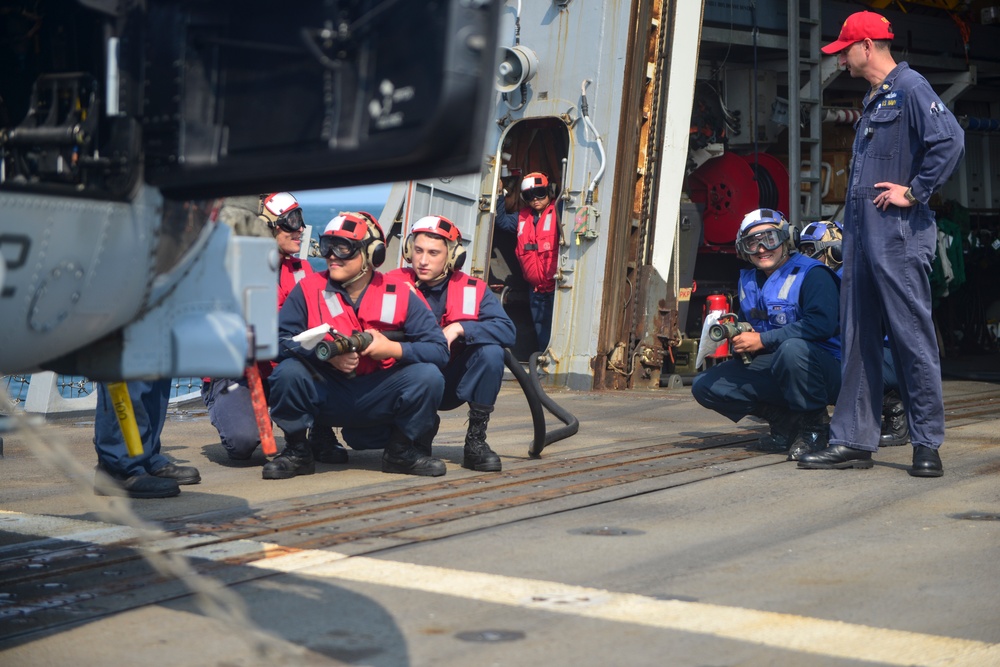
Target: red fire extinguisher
point(719, 304)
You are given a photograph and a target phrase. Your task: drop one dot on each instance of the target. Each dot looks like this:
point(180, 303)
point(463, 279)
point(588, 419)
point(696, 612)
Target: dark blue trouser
point(231, 412)
point(404, 397)
point(889, 379)
point(799, 376)
point(149, 402)
point(474, 376)
point(541, 304)
point(886, 289)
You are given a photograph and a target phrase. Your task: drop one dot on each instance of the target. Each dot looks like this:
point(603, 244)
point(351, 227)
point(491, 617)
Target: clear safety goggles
point(292, 222)
point(768, 239)
point(339, 247)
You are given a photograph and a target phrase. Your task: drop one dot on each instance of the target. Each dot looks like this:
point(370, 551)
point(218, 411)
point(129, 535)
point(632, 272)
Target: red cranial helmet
point(438, 225)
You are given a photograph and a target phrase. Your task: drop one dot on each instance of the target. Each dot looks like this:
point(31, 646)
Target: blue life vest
point(777, 304)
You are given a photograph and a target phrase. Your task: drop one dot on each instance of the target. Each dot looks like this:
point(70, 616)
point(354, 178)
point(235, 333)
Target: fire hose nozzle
point(727, 330)
point(358, 342)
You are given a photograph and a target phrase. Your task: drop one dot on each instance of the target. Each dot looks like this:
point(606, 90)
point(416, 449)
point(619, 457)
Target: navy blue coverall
point(906, 136)
point(404, 397)
point(475, 373)
point(793, 372)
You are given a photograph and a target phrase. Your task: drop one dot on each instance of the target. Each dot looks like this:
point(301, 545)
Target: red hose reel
point(730, 186)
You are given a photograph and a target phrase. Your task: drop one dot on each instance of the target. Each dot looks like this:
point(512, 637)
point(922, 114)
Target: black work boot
point(324, 445)
point(295, 459)
point(402, 456)
point(895, 430)
point(784, 427)
point(813, 435)
point(477, 454)
point(136, 486)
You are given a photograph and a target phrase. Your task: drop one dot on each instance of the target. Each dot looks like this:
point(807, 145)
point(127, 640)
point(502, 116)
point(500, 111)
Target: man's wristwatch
point(909, 196)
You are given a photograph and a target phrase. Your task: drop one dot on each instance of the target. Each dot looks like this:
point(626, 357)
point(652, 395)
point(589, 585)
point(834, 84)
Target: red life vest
point(383, 308)
point(538, 247)
point(465, 293)
point(291, 271)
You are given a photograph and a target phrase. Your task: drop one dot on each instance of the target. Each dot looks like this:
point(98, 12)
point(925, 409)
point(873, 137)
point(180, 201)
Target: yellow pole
point(126, 416)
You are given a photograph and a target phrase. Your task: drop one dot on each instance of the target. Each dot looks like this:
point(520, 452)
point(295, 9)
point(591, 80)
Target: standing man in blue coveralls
point(823, 241)
point(473, 322)
point(907, 145)
point(150, 475)
point(398, 384)
point(791, 301)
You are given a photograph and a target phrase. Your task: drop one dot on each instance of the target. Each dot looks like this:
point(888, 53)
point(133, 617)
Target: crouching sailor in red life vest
point(473, 322)
point(537, 228)
point(398, 384)
point(792, 303)
point(228, 400)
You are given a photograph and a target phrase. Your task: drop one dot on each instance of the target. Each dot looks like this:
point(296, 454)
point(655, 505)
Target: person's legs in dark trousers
point(858, 412)
point(799, 378)
point(230, 410)
point(907, 306)
point(894, 429)
point(734, 389)
point(541, 304)
point(149, 475)
point(911, 233)
point(405, 397)
point(876, 281)
point(890, 380)
point(296, 395)
point(326, 448)
point(809, 377)
point(474, 377)
point(149, 403)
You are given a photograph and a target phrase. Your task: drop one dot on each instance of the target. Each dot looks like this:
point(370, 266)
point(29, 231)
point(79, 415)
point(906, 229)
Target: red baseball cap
point(859, 26)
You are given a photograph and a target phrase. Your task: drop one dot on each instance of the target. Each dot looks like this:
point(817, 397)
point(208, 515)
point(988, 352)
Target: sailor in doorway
point(537, 228)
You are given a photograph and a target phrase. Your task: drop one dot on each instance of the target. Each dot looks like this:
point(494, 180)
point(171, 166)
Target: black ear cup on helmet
point(457, 257)
point(795, 234)
point(408, 249)
point(836, 253)
point(375, 248)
